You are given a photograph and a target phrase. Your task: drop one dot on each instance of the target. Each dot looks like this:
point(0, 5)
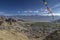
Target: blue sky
point(28, 7)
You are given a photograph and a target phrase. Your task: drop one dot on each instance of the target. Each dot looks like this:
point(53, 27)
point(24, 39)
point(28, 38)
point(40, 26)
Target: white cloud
point(30, 11)
point(25, 11)
point(55, 6)
point(2, 12)
point(6, 14)
point(36, 11)
point(18, 11)
point(55, 14)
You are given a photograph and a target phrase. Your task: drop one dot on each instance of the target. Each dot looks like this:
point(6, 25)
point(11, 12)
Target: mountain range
point(36, 18)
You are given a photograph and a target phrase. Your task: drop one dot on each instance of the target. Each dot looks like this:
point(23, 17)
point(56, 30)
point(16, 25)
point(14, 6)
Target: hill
point(14, 29)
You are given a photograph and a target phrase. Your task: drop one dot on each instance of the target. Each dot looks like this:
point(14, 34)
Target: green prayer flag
point(44, 1)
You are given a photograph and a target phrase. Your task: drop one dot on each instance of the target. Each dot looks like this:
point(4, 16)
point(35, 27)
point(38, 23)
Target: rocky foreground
point(17, 29)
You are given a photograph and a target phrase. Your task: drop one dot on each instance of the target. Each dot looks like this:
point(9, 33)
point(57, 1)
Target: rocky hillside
point(9, 29)
point(17, 29)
